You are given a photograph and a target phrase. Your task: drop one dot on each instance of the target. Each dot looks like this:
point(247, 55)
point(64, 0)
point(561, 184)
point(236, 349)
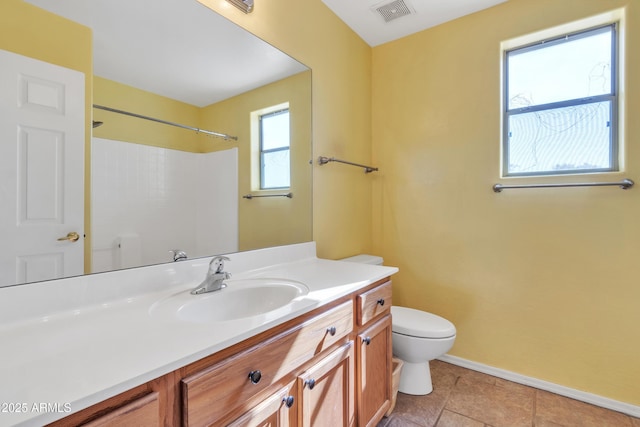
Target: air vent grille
point(394, 10)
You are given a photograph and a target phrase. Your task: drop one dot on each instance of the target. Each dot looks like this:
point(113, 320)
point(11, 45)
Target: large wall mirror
point(152, 187)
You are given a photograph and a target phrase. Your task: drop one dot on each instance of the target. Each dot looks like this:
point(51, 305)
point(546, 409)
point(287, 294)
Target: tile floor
point(466, 398)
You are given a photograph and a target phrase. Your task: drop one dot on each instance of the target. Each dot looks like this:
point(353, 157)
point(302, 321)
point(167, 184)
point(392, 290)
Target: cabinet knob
point(366, 340)
point(331, 331)
point(311, 383)
point(288, 401)
point(381, 301)
point(255, 376)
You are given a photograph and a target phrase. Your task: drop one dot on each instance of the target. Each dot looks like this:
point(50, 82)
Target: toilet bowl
point(419, 337)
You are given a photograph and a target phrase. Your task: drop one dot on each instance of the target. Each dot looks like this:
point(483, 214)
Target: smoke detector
point(393, 10)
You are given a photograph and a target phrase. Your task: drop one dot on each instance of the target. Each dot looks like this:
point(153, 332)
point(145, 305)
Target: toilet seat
point(417, 323)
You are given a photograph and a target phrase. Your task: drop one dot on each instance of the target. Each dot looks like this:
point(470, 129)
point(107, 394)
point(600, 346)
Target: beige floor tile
point(572, 413)
point(492, 404)
point(546, 423)
point(438, 367)
point(425, 410)
point(399, 422)
point(451, 419)
point(465, 398)
point(421, 410)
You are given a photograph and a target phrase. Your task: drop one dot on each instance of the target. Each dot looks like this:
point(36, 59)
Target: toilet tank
point(364, 259)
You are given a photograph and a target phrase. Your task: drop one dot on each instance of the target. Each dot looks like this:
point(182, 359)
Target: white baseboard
point(593, 399)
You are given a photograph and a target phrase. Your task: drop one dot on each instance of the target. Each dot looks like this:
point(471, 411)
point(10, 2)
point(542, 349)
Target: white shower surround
point(139, 189)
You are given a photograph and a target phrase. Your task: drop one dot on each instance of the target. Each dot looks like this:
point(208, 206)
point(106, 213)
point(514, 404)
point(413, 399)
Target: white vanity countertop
point(70, 343)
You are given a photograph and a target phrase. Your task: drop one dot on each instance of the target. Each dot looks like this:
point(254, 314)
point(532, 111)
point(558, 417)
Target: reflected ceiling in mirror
point(175, 48)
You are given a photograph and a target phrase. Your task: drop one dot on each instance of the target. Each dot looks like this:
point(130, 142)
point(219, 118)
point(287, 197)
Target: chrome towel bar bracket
point(625, 184)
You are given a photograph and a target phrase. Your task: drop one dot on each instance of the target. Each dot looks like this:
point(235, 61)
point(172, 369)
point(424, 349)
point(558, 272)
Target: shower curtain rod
point(140, 116)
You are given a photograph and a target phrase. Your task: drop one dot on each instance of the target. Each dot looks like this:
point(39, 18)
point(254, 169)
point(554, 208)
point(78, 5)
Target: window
point(275, 170)
point(561, 106)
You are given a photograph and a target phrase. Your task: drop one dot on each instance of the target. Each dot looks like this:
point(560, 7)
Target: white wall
point(154, 199)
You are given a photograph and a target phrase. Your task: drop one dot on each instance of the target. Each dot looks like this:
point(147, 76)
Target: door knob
point(71, 237)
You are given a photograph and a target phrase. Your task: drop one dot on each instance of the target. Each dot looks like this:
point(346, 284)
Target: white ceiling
point(176, 48)
point(362, 17)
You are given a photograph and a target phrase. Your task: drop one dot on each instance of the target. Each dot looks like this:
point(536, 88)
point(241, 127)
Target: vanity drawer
point(214, 392)
point(373, 303)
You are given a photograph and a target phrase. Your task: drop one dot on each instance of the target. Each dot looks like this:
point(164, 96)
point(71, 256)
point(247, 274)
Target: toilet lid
point(417, 323)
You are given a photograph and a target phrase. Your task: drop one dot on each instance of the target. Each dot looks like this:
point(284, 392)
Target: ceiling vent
point(393, 10)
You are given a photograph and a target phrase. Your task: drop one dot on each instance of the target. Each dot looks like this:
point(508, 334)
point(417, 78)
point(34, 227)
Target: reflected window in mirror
point(275, 142)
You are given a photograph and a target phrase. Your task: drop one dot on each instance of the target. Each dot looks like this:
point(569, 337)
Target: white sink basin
point(242, 298)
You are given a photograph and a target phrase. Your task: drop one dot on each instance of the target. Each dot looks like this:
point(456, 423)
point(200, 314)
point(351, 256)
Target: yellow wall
point(539, 282)
point(272, 221)
point(33, 32)
point(341, 98)
point(130, 129)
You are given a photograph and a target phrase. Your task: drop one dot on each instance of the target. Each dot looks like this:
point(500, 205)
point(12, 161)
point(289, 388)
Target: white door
point(41, 170)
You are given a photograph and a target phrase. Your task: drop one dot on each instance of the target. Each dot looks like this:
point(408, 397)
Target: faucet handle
point(217, 262)
point(178, 254)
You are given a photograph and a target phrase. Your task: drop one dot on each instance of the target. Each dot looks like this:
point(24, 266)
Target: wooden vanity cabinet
point(374, 354)
point(327, 390)
point(277, 409)
point(142, 412)
point(154, 403)
point(211, 394)
point(330, 367)
point(374, 372)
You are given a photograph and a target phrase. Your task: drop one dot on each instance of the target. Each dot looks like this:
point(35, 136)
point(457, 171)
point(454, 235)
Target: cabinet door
point(141, 413)
point(326, 391)
point(374, 357)
point(277, 410)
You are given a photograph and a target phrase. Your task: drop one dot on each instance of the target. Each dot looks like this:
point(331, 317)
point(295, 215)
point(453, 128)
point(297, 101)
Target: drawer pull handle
point(288, 401)
point(366, 340)
point(381, 302)
point(331, 331)
point(255, 376)
point(311, 383)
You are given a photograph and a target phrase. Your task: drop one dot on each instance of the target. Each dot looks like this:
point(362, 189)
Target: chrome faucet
point(178, 254)
point(215, 276)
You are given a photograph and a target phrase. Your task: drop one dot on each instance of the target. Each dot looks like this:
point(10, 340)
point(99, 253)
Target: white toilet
point(418, 337)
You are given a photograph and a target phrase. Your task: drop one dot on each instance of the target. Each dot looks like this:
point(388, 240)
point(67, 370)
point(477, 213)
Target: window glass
point(275, 130)
point(275, 167)
point(570, 138)
point(561, 100)
point(560, 70)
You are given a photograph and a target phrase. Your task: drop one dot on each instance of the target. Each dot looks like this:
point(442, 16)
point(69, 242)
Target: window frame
point(613, 98)
point(262, 151)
